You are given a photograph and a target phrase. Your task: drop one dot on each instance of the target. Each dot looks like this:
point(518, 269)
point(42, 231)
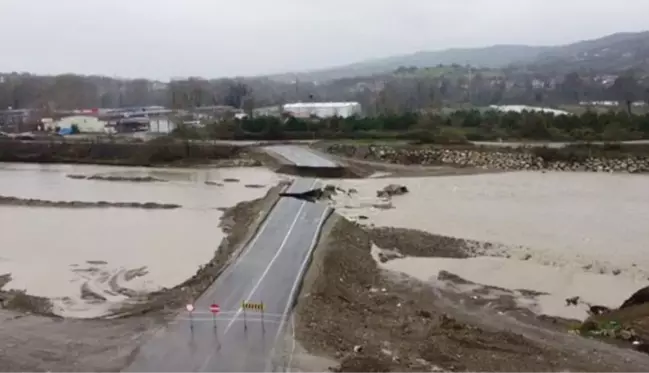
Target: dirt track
point(348, 303)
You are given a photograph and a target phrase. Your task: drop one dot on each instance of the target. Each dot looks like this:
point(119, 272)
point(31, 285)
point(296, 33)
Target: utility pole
point(470, 82)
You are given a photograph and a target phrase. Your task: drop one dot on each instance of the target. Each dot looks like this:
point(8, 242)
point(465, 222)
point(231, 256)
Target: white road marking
point(263, 275)
point(299, 276)
point(277, 253)
point(276, 320)
point(254, 240)
point(221, 313)
point(270, 264)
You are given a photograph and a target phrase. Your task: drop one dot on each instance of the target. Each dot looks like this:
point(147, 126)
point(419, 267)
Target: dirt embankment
point(593, 158)
point(31, 202)
point(132, 179)
point(373, 320)
point(18, 300)
point(155, 152)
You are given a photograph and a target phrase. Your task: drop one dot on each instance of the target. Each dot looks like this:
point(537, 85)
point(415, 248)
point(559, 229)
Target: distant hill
point(612, 53)
point(493, 56)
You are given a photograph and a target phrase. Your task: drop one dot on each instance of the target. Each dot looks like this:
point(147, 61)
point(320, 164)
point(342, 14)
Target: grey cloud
point(212, 38)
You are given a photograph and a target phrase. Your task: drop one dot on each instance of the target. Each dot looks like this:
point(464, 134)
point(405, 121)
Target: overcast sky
point(214, 38)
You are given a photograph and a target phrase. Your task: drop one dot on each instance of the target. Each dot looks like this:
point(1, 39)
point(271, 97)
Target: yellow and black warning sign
point(252, 306)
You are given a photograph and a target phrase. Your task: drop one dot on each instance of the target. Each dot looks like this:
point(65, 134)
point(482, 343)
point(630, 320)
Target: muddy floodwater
point(87, 260)
point(567, 234)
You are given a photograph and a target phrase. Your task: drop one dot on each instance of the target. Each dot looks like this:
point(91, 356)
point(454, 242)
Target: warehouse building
point(323, 109)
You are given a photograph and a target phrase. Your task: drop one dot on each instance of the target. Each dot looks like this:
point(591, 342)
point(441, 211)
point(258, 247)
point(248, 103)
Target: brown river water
point(55, 252)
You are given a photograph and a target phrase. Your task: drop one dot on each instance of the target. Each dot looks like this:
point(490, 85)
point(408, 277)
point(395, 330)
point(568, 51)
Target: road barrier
point(253, 306)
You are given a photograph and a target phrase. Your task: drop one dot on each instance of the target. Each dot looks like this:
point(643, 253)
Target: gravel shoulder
point(369, 319)
point(31, 341)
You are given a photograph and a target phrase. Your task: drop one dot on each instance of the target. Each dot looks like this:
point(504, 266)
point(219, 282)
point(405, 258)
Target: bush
point(457, 127)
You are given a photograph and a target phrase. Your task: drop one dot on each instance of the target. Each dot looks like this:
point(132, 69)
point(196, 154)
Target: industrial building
point(85, 123)
point(152, 119)
point(323, 109)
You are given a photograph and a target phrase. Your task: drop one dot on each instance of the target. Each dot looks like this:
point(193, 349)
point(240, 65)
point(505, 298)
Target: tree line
point(404, 90)
point(457, 127)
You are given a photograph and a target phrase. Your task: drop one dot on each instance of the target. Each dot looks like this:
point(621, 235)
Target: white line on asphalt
point(248, 319)
point(252, 292)
point(279, 251)
point(251, 244)
point(201, 313)
point(247, 249)
point(299, 276)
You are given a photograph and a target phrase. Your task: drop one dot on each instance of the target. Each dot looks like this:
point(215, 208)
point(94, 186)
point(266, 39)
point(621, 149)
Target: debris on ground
point(572, 301)
point(628, 324)
point(392, 190)
point(598, 310)
point(406, 325)
point(314, 195)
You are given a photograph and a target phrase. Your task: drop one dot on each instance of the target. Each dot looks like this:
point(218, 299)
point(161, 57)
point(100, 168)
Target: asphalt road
point(268, 271)
point(302, 156)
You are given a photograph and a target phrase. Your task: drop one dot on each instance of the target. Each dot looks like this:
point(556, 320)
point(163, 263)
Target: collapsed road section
point(299, 160)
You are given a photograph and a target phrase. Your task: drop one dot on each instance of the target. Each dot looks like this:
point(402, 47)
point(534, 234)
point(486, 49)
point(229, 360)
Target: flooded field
point(566, 234)
point(91, 259)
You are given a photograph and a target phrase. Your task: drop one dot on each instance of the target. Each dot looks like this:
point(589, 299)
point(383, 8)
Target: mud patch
point(96, 262)
point(401, 324)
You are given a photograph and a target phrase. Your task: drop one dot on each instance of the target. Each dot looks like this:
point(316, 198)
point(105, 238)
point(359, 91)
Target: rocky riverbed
point(514, 159)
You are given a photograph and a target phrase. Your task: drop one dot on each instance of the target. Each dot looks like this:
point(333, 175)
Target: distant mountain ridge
point(618, 51)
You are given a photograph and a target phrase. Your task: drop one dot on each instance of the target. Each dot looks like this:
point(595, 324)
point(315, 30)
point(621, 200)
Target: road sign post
point(214, 308)
point(245, 323)
point(190, 309)
point(263, 329)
